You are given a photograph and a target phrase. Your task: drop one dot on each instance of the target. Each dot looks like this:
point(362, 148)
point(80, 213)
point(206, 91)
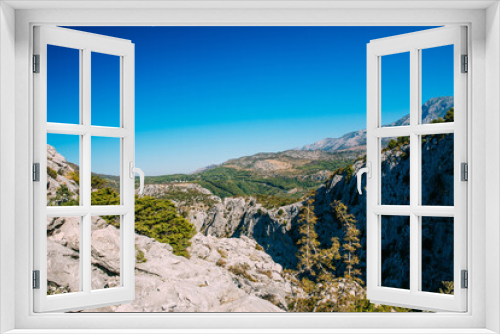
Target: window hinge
point(465, 64)
point(464, 171)
point(36, 172)
point(36, 279)
point(36, 63)
point(465, 279)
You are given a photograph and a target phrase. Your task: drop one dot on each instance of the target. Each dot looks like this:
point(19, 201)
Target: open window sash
point(86, 297)
point(415, 297)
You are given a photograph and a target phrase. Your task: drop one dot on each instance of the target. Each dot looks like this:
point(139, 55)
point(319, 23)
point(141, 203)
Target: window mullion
point(86, 175)
point(414, 169)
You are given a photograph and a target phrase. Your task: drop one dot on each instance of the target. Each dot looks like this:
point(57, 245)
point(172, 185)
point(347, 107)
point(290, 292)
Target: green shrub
point(240, 269)
point(259, 247)
point(98, 182)
point(159, 219)
point(74, 176)
point(154, 218)
point(349, 171)
point(448, 287)
point(222, 253)
point(64, 197)
point(51, 172)
point(105, 196)
point(450, 115)
point(392, 144)
point(139, 256)
point(221, 262)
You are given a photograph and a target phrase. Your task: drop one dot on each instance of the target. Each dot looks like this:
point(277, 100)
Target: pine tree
point(352, 273)
point(308, 242)
point(315, 283)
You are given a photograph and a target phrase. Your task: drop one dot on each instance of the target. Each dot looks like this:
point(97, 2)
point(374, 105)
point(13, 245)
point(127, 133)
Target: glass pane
point(63, 255)
point(395, 90)
point(105, 245)
point(63, 171)
point(395, 171)
point(105, 90)
point(63, 85)
point(437, 84)
point(437, 169)
point(105, 171)
point(437, 254)
point(396, 252)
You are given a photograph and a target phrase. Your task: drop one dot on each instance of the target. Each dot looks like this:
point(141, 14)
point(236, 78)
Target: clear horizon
point(205, 95)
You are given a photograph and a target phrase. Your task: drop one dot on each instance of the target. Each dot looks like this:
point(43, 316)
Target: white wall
point(7, 161)
point(492, 147)
point(486, 116)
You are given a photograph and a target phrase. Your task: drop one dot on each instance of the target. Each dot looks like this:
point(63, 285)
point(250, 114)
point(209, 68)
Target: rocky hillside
point(220, 275)
point(292, 161)
point(62, 179)
point(431, 110)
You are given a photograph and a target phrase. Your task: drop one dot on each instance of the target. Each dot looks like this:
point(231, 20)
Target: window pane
point(63, 171)
point(63, 255)
point(106, 171)
point(396, 252)
point(395, 90)
point(105, 245)
point(437, 254)
point(437, 84)
point(63, 85)
point(437, 169)
point(105, 90)
point(395, 171)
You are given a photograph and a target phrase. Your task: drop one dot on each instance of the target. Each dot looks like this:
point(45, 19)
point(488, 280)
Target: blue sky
point(208, 94)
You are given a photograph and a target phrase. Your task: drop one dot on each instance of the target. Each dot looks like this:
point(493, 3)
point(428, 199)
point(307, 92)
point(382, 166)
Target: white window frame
point(85, 43)
point(414, 43)
point(482, 315)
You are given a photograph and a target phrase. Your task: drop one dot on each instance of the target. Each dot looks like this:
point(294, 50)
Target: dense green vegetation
point(240, 177)
point(159, 219)
point(229, 182)
point(225, 182)
point(319, 165)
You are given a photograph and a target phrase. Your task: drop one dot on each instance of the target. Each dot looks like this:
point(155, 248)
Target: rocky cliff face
point(276, 230)
point(237, 217)
point(437, 189)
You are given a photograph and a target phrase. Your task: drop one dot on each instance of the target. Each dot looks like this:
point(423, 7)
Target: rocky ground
point(222, 275)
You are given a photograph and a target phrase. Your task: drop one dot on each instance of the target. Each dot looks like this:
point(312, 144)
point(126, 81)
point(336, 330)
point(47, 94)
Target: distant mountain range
point(292, 173)
point(432, 109)
point(317, 156)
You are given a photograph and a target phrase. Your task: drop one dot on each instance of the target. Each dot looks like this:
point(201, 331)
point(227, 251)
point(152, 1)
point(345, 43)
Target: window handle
point(359, 174)
point(133, 171)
